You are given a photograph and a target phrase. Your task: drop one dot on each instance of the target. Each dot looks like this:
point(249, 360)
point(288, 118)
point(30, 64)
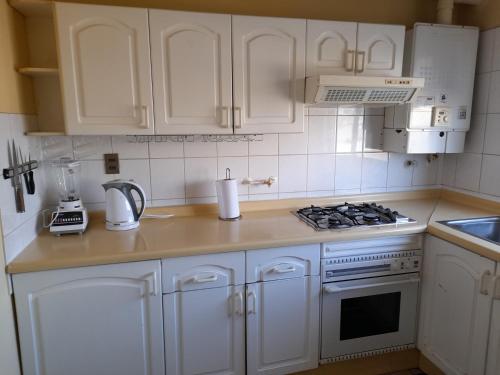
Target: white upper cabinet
point(455, 307)
point(269, 74)
point(380, 50)
point(104, 320)
point(191, 64)
point(105, 67)
point(331, 47)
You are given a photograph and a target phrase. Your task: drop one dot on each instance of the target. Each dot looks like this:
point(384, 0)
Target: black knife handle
point(31, 183)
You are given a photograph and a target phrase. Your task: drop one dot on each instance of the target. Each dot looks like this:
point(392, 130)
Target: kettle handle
point(142, 196)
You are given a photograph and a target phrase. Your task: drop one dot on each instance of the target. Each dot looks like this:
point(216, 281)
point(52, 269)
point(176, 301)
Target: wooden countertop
point(197, 230)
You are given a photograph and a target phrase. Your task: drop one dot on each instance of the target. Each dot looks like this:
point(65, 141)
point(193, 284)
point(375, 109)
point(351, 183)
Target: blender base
point(71, 217)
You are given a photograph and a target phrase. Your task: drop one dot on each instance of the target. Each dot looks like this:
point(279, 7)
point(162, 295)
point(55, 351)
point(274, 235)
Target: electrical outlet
point(111, 163)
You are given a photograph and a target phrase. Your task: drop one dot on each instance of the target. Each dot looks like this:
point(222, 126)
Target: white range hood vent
point(335, 89)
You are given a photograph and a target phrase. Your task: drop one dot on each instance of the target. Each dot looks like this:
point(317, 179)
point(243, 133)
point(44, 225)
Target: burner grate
point(349, 215)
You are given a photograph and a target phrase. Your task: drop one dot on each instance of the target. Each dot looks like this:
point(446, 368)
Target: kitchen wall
point(339, 153)
point(19, 229)
point(486, 15)
point(478, 169)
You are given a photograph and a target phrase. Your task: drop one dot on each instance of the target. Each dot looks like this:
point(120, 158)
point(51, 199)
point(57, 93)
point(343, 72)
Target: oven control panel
point(345, 268)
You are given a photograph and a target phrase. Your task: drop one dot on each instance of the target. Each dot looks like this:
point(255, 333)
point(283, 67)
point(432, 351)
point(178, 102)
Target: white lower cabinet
point(455, 308)
point(102, 320)
point(493, 360)
point(283, 325)
point(205, 331)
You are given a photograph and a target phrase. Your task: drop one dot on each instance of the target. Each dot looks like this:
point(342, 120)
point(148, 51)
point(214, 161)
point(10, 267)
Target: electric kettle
point(121, 209)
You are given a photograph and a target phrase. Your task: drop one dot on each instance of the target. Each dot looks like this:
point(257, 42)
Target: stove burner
point(349, 215)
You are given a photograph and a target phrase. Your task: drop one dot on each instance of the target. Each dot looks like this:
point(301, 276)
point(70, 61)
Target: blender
point(70, 216)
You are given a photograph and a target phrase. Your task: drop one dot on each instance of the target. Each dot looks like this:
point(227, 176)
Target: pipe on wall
point(445, 9)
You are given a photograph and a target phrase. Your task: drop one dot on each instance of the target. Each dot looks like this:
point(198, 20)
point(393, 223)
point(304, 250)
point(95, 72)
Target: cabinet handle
point(349, 53)
point(362, 54)
point(496, 287)
point(251, 296)
point(207, 279)
point(278, 269)
point(224, 114)
point(237, 117)
point(483, 287)
point(153, 284)
point(238, 304)
point(145, 117)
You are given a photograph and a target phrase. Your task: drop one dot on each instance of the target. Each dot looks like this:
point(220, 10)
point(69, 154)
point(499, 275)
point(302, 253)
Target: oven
point(369, 298)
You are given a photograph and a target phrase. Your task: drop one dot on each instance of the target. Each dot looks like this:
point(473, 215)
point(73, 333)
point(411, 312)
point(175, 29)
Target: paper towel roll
point(227, 197)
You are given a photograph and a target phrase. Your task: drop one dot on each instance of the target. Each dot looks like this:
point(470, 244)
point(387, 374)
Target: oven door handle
point(329, 289)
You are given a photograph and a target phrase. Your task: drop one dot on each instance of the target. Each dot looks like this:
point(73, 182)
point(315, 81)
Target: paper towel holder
point(228, 177)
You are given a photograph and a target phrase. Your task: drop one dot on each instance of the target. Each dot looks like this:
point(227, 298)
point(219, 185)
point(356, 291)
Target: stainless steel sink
point(486, 228)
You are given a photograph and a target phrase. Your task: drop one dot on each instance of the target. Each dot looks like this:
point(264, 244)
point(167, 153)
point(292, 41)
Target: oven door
point(368, 314)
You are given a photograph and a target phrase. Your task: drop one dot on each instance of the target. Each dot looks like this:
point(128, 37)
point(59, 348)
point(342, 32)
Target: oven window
point(370, 315)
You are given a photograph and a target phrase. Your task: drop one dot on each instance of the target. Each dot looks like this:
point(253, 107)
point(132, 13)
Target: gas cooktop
point(349, 215)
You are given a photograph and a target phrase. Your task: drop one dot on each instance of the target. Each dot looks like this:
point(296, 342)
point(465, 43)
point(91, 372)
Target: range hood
point(336, 89)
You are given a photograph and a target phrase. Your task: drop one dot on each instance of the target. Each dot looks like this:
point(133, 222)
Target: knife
point(30, 178)
point(16, 180)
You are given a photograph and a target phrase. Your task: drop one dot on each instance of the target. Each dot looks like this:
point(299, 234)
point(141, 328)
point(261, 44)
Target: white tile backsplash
point(322, 134)
point(474, 139)
point(481, 93)
point(293, 143)
point(349, 134)
point(492, 136)
point(128, 150)
point(478, 169)
point(321, 172)
point(292, 173)
point(374, 170)
point(262, 167)
point(161, 150)
point(348, 171)
point(200, 176)
point(268, 145)
point(494, 95)
point(468, 171)
point(167, 179)
point(200, 149)
point(490, 175)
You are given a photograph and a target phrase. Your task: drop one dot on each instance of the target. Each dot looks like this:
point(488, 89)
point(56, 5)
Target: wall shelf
point(33, 8)
point(44, 134)
point(38, 72)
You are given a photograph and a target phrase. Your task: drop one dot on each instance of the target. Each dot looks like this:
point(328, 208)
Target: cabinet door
point(455, 307)
point(268, 71)
point(493, 360)
point(283, 326)
point(380, 50)
point(205, 331)
point(331, 47)
point(104, 320)
point(105, 69)
point(191, 59)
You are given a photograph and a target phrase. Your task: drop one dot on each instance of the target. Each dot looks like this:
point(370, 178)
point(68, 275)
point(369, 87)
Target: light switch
point(111, 163)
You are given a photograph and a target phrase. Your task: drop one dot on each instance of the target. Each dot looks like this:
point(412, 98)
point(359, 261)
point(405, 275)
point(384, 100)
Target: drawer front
point(282, 263)
point(203, 271)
